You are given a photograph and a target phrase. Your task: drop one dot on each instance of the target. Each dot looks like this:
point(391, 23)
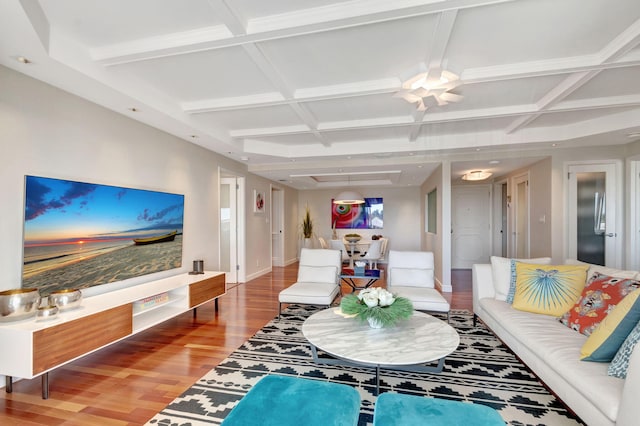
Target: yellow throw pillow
point(603, 344)
point(548, 289)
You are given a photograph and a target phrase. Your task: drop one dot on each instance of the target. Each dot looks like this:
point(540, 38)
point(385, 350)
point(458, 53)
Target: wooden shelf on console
point(101, 320)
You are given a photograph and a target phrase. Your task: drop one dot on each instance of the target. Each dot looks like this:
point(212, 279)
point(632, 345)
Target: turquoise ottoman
point(283, 401)
point(396, 409)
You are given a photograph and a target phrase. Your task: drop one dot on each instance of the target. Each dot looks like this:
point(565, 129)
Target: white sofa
point(552, 351)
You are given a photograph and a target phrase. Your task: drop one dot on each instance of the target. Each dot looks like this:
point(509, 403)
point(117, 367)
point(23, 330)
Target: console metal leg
point(216, 304)
point(45, 386)
point(8, 384)
point(195, 314)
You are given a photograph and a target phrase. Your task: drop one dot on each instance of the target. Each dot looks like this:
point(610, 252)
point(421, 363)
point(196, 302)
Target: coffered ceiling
point(302, 91)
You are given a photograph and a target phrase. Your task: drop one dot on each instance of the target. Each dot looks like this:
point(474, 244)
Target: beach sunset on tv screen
point(78, 235)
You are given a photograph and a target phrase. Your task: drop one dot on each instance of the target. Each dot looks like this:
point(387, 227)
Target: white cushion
point(309, 293)
point(423, 298)
point(415, 277)
point(317, 274)
point(501, 267)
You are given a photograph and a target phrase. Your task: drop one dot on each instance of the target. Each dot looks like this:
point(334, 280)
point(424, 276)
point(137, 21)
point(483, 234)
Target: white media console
point(33, 348)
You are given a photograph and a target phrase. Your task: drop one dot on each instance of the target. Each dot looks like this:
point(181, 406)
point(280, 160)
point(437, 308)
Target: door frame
point(515, 210)
point(277, 221)
point(618, 206)
point(240, 240)
point(633, 245)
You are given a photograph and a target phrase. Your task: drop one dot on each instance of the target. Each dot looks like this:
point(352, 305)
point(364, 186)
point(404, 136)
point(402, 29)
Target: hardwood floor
point(129, 382)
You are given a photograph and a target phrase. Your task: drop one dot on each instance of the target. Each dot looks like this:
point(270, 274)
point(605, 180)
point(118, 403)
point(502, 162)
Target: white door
point(277, 225)
point(592, 218)
point(228, 229)
point(521, 217)
point(470, 225)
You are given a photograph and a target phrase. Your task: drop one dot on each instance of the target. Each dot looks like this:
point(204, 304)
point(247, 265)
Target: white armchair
point(410, 274)
point(318, 280)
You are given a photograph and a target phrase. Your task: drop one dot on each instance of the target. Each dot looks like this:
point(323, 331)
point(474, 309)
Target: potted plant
point(307, 227)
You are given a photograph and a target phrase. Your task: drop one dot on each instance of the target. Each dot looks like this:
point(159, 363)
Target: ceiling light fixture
point(476, 175)
point(428, 89)
point(349, 196)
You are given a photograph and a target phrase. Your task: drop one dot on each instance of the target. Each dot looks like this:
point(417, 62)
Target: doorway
point(231, 202)
point(470, 225)
point(592, 218)
point(277, 225)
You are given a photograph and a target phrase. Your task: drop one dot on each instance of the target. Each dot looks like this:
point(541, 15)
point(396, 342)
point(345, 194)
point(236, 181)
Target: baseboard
point(443, 288)
point(259, 273)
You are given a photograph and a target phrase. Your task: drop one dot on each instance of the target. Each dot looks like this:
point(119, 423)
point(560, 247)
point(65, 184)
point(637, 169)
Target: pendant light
point(349, 197)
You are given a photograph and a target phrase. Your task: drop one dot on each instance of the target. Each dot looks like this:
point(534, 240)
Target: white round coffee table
point(408, 345)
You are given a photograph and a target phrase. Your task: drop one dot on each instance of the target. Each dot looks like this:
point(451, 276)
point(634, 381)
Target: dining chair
point(373, 254)
point(318, 280)
point(383, 249)
point(411, 275)
point(323, 243)
point(339, 245)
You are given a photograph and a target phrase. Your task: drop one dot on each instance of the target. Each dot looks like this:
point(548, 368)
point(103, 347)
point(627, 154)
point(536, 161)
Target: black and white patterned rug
point(482, 370)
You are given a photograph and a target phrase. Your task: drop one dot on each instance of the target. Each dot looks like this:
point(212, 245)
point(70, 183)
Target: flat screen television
point(79, 235)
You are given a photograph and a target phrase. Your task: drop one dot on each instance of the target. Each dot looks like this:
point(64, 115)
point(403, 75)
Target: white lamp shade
point(349, 197)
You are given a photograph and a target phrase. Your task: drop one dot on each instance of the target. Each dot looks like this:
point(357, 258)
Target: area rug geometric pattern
point(482, 370)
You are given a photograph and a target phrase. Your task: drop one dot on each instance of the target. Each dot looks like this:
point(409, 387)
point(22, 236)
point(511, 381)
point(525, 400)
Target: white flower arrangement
point(377, 304)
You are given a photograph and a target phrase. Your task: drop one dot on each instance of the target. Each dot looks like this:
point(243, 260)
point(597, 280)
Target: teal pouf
point(401, 410)
point(283, 401)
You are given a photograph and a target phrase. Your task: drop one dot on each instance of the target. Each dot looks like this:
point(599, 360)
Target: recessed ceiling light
point(23, 60)
point(244, 158)
point(133, 109)
point(419, 166)
point(634, 135)
point(494, 162)
point(193, 136)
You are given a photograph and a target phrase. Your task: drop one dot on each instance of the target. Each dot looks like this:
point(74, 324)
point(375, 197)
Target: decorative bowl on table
point(46, 313)
point(65, 299)
point(352, 238)
point(18, 304)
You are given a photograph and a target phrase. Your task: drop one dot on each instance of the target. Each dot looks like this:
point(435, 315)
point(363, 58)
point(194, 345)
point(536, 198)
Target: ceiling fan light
point(349, 197)
point(476, 175)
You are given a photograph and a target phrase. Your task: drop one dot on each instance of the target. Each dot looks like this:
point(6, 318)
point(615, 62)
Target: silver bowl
point(18, 304)
point(65, 299)
point(47, 313)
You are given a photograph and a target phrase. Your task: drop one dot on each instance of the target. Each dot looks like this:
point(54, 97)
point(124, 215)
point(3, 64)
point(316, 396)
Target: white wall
point(402, 210)
point(48, 132)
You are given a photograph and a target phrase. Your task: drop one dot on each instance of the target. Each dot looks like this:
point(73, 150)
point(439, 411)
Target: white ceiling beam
point(440, 41)
point(559, 92)
point(517, 111)
point(293, 24)
point(617, 48)
point(223, 11)
point(271, 73)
